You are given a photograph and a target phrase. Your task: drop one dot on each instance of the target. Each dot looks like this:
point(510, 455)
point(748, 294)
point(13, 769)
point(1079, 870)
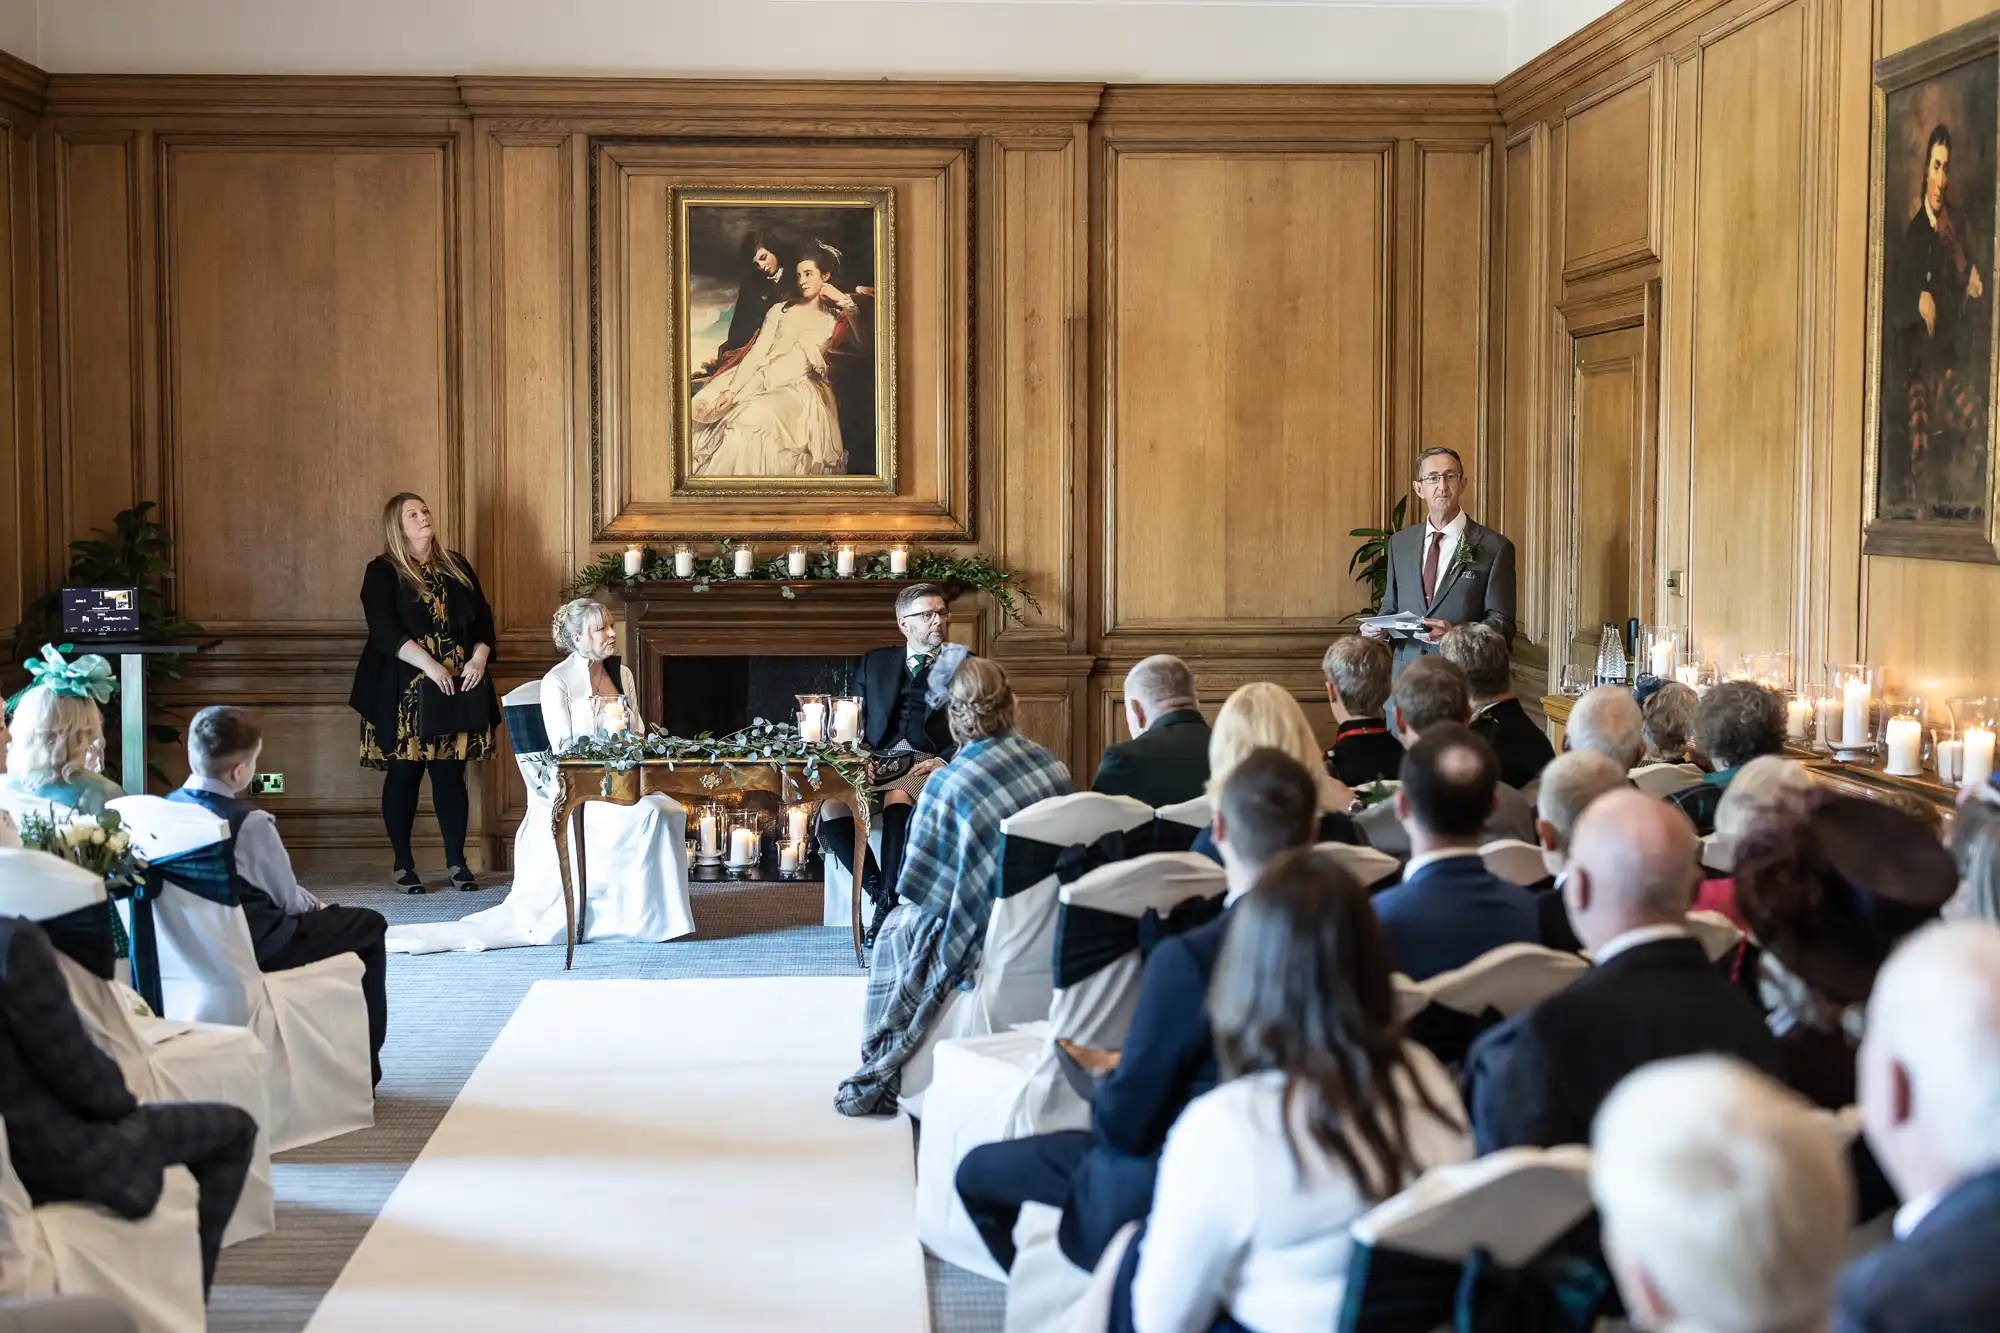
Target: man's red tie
point(1431, 567)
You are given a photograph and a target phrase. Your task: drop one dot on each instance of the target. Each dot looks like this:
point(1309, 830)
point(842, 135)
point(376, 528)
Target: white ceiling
point(1224, 41)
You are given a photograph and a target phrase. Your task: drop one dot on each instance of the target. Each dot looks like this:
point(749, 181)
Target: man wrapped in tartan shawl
point(930, 942)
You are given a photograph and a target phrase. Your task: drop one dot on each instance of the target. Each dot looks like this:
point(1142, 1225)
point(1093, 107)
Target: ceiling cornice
point(1307, 107)
point(1593, 49)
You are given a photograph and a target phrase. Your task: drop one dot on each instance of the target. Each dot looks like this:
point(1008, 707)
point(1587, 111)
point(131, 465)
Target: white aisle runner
point(651, 1155)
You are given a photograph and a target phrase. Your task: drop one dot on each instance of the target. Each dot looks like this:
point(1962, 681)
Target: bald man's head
point(1634, 862)
point(1449, 779)
point(1607, 721)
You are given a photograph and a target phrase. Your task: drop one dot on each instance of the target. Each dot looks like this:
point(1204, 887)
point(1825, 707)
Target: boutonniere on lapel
point(1468, 554)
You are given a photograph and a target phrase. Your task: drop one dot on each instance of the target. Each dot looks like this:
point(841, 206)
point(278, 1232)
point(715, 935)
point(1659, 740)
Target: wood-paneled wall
point(1212, 327)
point(1720, 148)
point(25, 542)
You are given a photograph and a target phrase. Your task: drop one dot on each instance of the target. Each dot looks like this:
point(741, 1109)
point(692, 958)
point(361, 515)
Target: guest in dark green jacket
point(1166, 761)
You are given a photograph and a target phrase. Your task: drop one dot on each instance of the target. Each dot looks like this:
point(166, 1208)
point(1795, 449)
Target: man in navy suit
point(1929, 1075)
point(1103, 1178)
point(1450, 909)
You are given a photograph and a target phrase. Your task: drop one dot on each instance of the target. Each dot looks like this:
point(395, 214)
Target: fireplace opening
point(725, 694)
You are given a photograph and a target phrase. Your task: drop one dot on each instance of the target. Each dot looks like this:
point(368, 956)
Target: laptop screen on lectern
point(100, 613)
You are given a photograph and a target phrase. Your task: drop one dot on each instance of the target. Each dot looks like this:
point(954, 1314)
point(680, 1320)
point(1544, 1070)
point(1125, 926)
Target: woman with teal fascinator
point(56, 748)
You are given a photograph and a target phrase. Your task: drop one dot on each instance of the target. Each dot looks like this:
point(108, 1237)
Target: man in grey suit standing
point(1447, 569)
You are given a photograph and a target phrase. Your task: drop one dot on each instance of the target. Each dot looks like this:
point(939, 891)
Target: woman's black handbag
point(441, 714)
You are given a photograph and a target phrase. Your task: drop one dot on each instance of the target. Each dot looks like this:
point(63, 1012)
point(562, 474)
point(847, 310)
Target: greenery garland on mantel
point(759, 742)
point(977, 572)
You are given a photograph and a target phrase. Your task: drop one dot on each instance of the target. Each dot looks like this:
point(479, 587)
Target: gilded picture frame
point(784, 340)
point(1931, 487)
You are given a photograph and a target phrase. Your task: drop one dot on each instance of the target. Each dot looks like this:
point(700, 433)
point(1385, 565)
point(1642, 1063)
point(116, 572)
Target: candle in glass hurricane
point(899, 560)
point(742, 847)
point(843, 562)
point(795, 823)
point(710, 843)
point(795, 562)
point(788, 859)
point(846, 721)
point(743, 557)
point(1798, 720)
point(683, 561)
point(1903, 737)
point(1978, 757)
point(634, 557)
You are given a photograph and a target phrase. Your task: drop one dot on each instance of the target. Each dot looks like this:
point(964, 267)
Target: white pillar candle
point(788, 859)
point(1854, 713)
point(812, 723)
point(1951, 761)
point(1662, 659)
point(899, 560)
point(1688, 675)
point(708, 843)
point(1798, 719)
point(1978, 758)
point(795, 823)
point(843, 562)
point(795, 564)
point(1829, 722)
point(683, 564)
point(846, 721)
point(742, 562)
point(1904, 738)
point(615, 719)
point(633, 555)
point(742, 846)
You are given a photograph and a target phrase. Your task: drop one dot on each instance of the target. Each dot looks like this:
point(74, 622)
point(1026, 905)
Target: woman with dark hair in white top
point(1326, 1111)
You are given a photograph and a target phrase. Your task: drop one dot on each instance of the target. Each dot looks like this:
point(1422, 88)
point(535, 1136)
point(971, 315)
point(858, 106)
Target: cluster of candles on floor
point(743, 559)
point(734, 839)
point(1848, 711)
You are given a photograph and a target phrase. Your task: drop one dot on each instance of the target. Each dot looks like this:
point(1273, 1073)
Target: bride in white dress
point(637, 859)
point(771, 413)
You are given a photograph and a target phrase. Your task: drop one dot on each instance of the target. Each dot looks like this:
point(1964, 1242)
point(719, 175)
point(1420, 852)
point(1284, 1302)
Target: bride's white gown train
point(637, 857)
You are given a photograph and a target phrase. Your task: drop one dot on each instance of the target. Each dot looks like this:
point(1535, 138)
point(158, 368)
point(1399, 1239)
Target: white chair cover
point(1512, 1203)
point(970, 1100)
point(1718, 935)
point(38, 885)
point(1180, 825)
point(1717, 853)
point(1093, 1311)
point(1507, 980)
point(1515, 861)
point(312, 1021)
point(1044, 1288)
point(1015, 980)
point(1368, 866)
point(151, 1268)
point(1665, 779)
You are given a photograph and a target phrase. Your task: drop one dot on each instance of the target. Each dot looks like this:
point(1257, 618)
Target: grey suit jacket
point(1513, 817)
point(1482, 589)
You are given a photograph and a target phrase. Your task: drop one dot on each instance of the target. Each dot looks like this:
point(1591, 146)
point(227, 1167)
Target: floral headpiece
point(88, 677)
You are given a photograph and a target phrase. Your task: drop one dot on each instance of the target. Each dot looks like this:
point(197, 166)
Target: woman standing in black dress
point(427, 621)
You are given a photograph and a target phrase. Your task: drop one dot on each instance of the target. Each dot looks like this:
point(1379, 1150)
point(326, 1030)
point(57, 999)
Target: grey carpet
point(444, 1012)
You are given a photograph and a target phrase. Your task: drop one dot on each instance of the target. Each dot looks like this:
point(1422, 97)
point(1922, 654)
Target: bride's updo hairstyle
point(982, 701)
point(573, 620)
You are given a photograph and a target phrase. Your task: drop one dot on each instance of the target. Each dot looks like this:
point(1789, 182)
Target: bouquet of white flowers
point(98, 843)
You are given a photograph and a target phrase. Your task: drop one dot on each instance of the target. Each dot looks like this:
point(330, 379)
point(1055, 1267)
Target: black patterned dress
point(409, 743)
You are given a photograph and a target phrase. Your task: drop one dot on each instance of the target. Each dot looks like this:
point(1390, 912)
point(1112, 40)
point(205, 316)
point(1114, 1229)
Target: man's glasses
point(1436, 478)
point(924, 615)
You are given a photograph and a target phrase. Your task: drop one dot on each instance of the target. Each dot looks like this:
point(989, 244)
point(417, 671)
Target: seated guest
point(1736, 722)
point(1769, 787)
point(75, 1132)
point(56, 751)
point(1668, 715)
point(1325, 1110)
point(288, 926)
point(1450, 908)
point(1829, 894)
point(1357, 671)
point(1166, 761)
point(1478, 650)
point(930, 943)
point(904, 708)
point(1975, 845)
point(1930, 1109)
point(1606, 721)
point(1568, 787)
point(1261, 716)
point(1724, 1201)
point(1431, 691)
point(632, 883)
point(1651, 993)
point(1102, 1178)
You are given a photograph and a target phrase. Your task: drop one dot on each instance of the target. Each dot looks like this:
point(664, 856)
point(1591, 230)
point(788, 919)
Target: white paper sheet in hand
point(1402, 625)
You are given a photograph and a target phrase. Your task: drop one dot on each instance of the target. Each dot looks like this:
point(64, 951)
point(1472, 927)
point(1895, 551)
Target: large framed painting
point(786, 359)
point(781, 340)
point(1931, 476)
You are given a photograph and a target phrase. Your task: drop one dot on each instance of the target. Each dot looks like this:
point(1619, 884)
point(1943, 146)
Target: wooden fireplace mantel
point(753, 618)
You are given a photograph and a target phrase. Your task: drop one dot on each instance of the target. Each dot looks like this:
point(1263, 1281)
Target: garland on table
point(978, 572)
point(757, 743)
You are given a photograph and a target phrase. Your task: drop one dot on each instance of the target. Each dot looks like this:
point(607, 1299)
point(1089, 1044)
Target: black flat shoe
point(408, 882)
point(461, 879)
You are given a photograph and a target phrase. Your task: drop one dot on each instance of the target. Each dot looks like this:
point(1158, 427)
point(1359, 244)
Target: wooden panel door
point(1613, 389)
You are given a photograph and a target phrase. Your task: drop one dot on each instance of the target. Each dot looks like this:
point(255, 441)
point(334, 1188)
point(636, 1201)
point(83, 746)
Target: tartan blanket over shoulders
point(930, 943)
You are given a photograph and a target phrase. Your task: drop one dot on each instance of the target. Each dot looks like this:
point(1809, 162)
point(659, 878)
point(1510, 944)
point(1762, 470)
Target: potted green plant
point(1370, 562)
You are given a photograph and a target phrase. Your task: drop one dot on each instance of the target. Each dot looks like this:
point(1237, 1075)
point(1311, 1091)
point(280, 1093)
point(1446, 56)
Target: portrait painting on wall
point(1931, 384)
point(786, 333)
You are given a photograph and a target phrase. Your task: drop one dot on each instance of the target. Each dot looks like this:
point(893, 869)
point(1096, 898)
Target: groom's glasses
point(925, 615)
point(1439, 478)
